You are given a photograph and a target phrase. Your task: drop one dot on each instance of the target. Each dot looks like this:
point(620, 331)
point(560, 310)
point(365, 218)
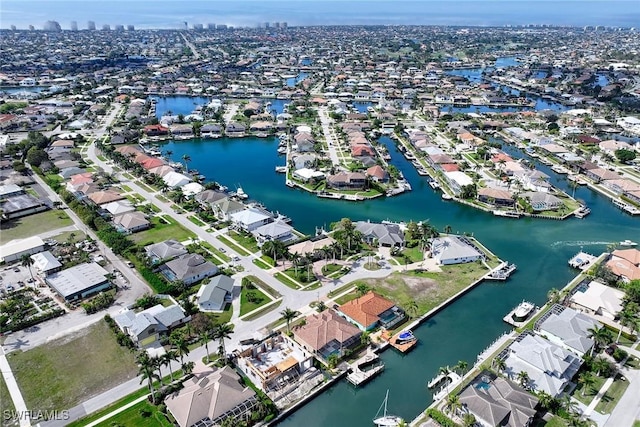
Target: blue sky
point(171, 14)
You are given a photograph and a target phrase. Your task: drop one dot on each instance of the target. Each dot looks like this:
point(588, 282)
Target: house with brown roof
point(105, 196)
point(495, 196)
point(347, 181)
point(211, 396)
point(370, 311)
point(376, 173)
point(625, 263)
point(327, 333)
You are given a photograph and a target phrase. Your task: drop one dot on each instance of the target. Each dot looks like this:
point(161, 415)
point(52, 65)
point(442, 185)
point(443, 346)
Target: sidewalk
point(14, 391)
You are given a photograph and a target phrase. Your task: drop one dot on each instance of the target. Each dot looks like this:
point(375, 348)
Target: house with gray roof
point(453, 250)
point(567, 328)
point(226, 207)
point(147, 327)
point(215, 295)
point(250, 219)
point(276, 230)
point(498, 402)
point(165, 251)
point(206, 197)
point(188, 268)
point(549, 366)
point(388, 235)
point(131, 222)
point(46, 263)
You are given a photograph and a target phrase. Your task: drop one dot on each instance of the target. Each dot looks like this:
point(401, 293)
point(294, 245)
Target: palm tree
point(553, 296)
point(501, 365)
point(295, 260)
point(600, 364)
point(146, 370)
point(453, 403)
point(186, 159)
point(205, 336)
point(288, 315)
point(167, 358)
point(365, 338)
point(586, 379)
point(545, 399)
point(27, 261)
point(461, 366)
point(362, 288)
point(222, 332)
point(627, 318)
point(601, 337)
point(168, 154)
point(523, 379)
point(411, 308)
point(468, 420)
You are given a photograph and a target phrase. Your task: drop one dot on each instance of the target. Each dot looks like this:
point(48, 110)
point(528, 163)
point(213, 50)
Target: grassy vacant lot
point(66, 236)
point(61, 374)
point(258, 299)
point(109, 409)
point(412, 254)
point(161, 231)
point(427, 289)
point(142, 414)
point(6, 405)
point(235, 247)
point(247, 241)
point(33, 225)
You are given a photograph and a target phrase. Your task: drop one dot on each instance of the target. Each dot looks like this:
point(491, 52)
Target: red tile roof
point(366, 309)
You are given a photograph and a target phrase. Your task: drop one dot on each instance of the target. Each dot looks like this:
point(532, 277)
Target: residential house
point(327, 333)
point(498, 402)
point(625, 263)
point(273, 362)
point(175, 179)
point(145, 328)
point(226, 207)
point(370, 311)
point(449, 250)
point(567, 328)
point(165, 251)
point(347, 181)
point(131, 222)
point(496, 197)
point(211, 396)
point(118, 207)
point(206, 197)
point(378, 174)
point(216, 294)
point(276, 230)
point(250, 219)
point(189, 269)
point(598, 299)
point(541, 201)
point(105, 196)
point(383, 234)
point(549, 367)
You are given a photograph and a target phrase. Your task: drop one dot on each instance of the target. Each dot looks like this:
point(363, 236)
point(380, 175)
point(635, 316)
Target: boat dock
point(402, 347)
point(510, 318)
point(582, 260)
point(502, 272)
point(365, 368)
point(631, 210)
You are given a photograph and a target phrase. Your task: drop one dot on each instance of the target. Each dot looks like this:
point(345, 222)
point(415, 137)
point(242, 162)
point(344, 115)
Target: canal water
point(540, 248)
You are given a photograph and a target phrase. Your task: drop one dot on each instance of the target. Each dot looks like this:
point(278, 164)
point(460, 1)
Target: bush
point(441, 418)
point(619, 354)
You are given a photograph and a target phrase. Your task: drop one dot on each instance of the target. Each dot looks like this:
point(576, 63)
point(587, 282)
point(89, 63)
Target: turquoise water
point(540, 248)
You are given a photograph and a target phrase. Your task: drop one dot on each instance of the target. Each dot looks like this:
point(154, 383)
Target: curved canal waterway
point(540, 248)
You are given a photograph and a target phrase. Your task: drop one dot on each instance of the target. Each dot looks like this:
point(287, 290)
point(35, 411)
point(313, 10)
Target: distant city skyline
point(172, 14)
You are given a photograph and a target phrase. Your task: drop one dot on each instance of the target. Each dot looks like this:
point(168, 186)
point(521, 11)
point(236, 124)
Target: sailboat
point(386, 420)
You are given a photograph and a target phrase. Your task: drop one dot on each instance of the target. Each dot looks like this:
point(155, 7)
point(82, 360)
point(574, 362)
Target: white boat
point(281, 169)
point(446, 196)
point(628, 243)
point(386, 420)
point(240, 194)
point(282, 150)
point(522, 311)
point(405, 337)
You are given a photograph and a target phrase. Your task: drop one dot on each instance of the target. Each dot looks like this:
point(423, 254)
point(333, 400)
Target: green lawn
point(590, 392)
point(612, 396)
point(101, 413)
point(61, 374)
point(126, 188)
point(215, 251)
point(246, 241)
point(146, 187)
point(412, 254)
point(286, 280)
point(346, 297)
point(266, 288)
point(340, 290)
point(330, 268)
point(259, 299)
point(6, 405)
point(196, 221)
point(234, 246)
point(65, 236)
point(142, 414)
point(161, 231)
point(33, 225)
point(556, 421)
point(263, 311)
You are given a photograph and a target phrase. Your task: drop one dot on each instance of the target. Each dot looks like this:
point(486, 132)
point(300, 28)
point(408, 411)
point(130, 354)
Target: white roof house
point(452, 250)
point(250, 219)
point(568, 328)
point(13, 250)
point(119, 207)
point(599, 299)
point(175, 179)
point(458, 179)
point(549, 366)
point(273, 231)
point(192, 189)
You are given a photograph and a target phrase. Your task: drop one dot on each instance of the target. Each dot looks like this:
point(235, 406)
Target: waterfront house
point(387, 235)
point(165, 251)
point(598, 299)
point(175, 179)
point(498, 402)
point(625, 263)
point(188, 268)
point(211, 396)
point(370, 311)
point(235, 130)
point(155, 130)
point(347, 181)
point(118, 207)
point(568, 328)
point(191, 189)
point(549, 366)
point(312, 245)
point(377, 174)
point(206, 197)
point(600, 174)
point(540, 201)
point(449, 250)
point(250, 219)
point(216, 294)
point(621, 185)
point(276, 230)
point(496, 197)
point(145, 328)
point(274, 362)
point(327, 333)
point(226, 207)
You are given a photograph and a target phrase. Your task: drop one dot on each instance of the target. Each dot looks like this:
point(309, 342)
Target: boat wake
point(571, 243)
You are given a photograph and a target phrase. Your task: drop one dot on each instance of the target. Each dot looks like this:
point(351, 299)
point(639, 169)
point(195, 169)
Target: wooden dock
point(393, 341)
